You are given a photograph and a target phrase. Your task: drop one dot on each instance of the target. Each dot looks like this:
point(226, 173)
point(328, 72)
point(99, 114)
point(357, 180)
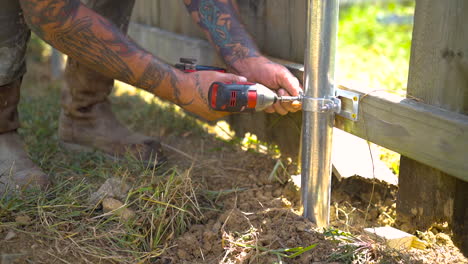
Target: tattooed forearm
point(221, 22)
point(177, 91)
point(200, 91)
point(151, 78)
point(91, 39)
point(74, 37)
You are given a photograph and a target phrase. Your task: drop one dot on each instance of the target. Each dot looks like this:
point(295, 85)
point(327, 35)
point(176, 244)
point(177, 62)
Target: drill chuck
point(243, 97)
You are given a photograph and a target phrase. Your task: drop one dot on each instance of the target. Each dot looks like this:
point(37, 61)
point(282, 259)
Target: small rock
point(209, 236)
point(277, 193)
point(407, 227)
point(216, 227)
point(110, 204)
point(373, 214)
point(23, 220)
point(11, 258)
point(443, 239)
point(183, 254)
point(112, 187)
point(430, 235)
point(301, 226)
point(207, 246)
point(291, 191)
point(10, 235)
point(441, 226)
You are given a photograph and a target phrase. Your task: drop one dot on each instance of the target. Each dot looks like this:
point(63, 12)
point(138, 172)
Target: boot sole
point(80, 148)
point(86, 149)
point(76, 147)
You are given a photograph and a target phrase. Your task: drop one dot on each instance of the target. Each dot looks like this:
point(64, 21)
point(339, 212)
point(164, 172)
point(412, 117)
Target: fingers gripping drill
point(244, 97)
point(249, 97)
point(236, 96)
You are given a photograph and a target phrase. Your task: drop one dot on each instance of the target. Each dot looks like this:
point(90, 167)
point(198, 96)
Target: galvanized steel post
point(317, 126)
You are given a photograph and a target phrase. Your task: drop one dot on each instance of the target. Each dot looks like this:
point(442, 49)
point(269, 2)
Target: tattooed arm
point(220, 21)
point(91, 39)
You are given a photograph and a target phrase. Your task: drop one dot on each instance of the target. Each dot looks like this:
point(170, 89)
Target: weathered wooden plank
point(175, 18)
point(439, 54)
point(426, 133)
point(145, 12)
point(170, 47)
point(278, 38)
point(297, 29)
point(438, 75)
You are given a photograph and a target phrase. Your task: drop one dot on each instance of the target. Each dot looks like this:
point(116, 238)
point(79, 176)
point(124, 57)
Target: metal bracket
point(338, 104)
point(321, 105)
point(351, 112)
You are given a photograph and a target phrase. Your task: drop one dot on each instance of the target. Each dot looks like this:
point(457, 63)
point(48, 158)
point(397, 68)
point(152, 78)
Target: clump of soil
point(362, 202)
point(250, 226)
point(256, 216)
point(237, 236)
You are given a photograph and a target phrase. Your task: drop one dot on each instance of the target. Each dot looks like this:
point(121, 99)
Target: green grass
point(373, 54)
point(360, 249)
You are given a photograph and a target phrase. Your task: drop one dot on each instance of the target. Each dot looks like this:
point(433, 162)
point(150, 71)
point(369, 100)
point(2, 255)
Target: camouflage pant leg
point(14, 36)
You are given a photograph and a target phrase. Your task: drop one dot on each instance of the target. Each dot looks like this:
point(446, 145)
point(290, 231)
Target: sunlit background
point(374, 43)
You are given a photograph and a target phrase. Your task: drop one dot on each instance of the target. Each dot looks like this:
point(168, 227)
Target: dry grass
point(165, 205)
point(62, 222)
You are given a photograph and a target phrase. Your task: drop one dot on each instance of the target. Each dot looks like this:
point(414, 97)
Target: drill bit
point(284, 99)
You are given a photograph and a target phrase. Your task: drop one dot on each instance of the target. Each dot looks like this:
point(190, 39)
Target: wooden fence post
point(438, 75)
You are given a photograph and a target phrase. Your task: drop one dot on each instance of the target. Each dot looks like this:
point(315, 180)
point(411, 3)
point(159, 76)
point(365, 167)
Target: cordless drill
point(235, 97)
point(243, 97)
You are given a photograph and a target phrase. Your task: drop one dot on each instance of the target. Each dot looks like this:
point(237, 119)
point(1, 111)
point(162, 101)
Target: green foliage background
point(373, 54)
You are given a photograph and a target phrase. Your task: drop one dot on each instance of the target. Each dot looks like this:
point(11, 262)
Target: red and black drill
point(236, 97)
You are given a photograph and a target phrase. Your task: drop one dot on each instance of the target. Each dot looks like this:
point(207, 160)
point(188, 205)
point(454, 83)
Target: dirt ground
point(248, 207)
point(268, 214)
point(255, 211)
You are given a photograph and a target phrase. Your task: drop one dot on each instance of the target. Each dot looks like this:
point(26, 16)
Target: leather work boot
point(17, 171)
point(87, 122)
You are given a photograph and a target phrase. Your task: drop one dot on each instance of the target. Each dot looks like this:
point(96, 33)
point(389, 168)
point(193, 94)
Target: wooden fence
point(429, 128)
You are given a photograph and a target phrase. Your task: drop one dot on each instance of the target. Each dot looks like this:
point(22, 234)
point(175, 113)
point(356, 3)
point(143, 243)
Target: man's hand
point(196, 86)
point(272, 75)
